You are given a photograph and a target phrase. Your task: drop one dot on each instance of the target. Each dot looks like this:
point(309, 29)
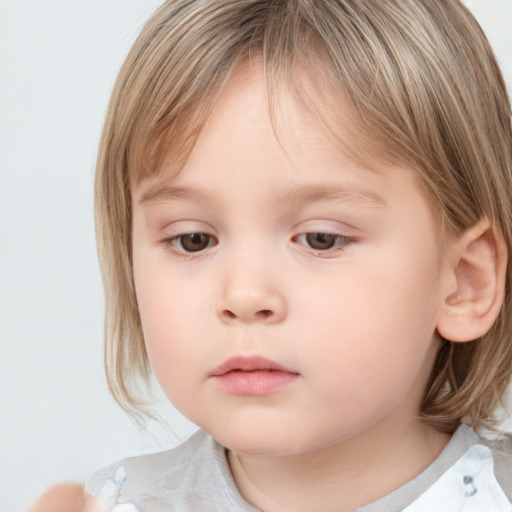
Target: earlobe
point(477, 270)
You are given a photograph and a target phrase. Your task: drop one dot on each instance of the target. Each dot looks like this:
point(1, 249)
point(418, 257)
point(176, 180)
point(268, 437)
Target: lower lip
point(254, 383)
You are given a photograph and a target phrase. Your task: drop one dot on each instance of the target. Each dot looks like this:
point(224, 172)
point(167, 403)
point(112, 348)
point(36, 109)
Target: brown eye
point(321, 241)
point(328, 243)
point(194, 242)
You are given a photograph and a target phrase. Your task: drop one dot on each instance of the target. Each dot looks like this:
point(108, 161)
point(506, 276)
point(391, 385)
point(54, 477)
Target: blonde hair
point(423, 83)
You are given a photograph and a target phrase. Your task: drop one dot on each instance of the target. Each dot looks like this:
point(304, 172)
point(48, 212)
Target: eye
point(322, 241)
point(191, 242)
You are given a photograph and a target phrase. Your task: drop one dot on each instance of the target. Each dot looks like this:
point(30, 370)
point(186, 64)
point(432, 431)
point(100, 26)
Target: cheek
point(173, 346)
point(170, 326)
point(374, 328)
point(169, 312)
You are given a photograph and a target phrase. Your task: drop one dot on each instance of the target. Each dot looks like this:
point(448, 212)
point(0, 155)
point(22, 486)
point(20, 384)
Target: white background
point(58, 61)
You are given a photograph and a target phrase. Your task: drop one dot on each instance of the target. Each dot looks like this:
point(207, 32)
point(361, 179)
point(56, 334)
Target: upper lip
point(248, 364)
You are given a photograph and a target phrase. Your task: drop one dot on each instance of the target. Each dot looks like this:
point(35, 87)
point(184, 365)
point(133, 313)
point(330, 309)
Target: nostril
point(262, 314)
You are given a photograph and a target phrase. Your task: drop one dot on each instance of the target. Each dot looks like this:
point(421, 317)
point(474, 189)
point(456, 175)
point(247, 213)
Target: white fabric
point(468, 476)
point(468, 486)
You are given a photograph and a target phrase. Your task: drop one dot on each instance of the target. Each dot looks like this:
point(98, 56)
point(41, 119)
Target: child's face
point(287, 251)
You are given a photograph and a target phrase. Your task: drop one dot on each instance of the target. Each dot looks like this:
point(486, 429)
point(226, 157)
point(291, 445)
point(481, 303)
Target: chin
point(253, 441)
point(262, 440)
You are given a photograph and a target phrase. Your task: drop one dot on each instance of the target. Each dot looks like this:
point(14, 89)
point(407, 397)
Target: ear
point(475, 283)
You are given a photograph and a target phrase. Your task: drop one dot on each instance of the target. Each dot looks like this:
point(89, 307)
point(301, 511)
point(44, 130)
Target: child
point(304, 216)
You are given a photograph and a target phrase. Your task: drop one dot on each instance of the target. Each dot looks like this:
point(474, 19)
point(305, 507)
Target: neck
point(338, 478)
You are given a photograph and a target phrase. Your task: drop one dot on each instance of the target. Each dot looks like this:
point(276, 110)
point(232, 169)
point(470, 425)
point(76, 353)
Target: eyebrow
point(313, 193)
point(302, 194)
point(160, 192)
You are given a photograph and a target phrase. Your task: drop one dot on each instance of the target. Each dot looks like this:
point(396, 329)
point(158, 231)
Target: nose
point(251, 295)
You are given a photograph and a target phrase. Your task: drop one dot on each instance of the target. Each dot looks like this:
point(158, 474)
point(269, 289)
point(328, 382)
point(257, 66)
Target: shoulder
point(501, 449)
point(145, 467)
point(193, 476)
point(491, 456)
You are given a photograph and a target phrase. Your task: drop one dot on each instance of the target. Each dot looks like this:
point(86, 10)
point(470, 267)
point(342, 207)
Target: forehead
point(306, 118)
point(301, 160)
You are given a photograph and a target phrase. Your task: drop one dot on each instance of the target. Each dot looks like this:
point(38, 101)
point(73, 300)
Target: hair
point(420, 78)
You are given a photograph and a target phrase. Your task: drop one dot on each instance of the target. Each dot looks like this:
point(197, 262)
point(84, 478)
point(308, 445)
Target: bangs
point(172, 89)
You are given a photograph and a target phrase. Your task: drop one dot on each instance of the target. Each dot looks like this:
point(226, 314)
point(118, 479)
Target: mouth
point(252, 376)
point(249, 364)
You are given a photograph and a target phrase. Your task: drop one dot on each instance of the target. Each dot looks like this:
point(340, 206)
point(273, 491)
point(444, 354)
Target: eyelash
point(175, 244)
point(341, 243)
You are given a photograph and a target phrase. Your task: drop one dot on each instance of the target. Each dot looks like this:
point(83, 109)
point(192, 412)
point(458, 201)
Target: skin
point(355, 322)
point(63, 497)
